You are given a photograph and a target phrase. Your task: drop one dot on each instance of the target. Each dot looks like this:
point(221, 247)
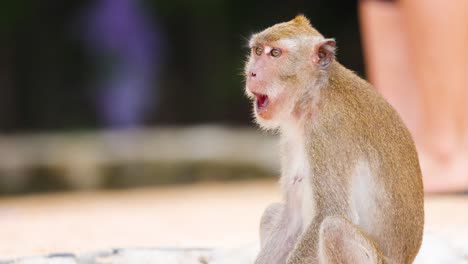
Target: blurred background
point(133, 110)
point(73, 73)
point(88, 65)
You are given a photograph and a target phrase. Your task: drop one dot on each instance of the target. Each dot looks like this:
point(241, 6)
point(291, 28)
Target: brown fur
point(299, 26)
point(343, 120)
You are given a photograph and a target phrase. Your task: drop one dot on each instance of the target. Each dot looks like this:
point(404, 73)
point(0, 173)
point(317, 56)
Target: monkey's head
point(285, 64)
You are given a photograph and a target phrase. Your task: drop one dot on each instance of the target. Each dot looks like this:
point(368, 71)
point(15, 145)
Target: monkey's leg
point(335, 240)
point(278, 235)
point(340, 241)
point(270, 221)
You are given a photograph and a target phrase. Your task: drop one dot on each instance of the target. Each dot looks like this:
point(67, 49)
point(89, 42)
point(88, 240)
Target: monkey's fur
point(350, 173)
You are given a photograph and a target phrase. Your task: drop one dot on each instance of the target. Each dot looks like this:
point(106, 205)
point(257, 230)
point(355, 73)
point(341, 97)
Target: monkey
point(350, 177)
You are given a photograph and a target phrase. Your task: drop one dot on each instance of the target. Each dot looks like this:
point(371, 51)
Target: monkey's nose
point(253, 74)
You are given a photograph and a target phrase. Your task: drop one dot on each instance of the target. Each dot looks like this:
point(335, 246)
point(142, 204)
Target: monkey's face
point(277, 74)
point(265, 80)
point(282, 69)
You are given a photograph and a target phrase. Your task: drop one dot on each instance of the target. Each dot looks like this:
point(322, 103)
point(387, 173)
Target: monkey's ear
point(324, 53)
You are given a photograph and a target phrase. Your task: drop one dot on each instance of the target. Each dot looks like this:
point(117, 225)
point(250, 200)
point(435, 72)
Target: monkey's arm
point(331, 237)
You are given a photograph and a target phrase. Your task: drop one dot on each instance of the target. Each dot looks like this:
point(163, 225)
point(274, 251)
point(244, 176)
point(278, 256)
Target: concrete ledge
point(146, 255)
point(438, 247)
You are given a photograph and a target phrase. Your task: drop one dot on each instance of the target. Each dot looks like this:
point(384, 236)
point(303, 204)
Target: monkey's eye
point(258, 50)
point(275, 52)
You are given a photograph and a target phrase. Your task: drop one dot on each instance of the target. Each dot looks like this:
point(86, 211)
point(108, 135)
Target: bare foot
point(445, 174)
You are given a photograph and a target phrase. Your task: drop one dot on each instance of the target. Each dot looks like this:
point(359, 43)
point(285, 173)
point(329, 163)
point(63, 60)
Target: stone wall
point(118, 159)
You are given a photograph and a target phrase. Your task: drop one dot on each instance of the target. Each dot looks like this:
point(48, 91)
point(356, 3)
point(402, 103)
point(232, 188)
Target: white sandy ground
point(215, 215)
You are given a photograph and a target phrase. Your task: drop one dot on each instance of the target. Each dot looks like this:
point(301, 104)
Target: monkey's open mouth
point(261, 101)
